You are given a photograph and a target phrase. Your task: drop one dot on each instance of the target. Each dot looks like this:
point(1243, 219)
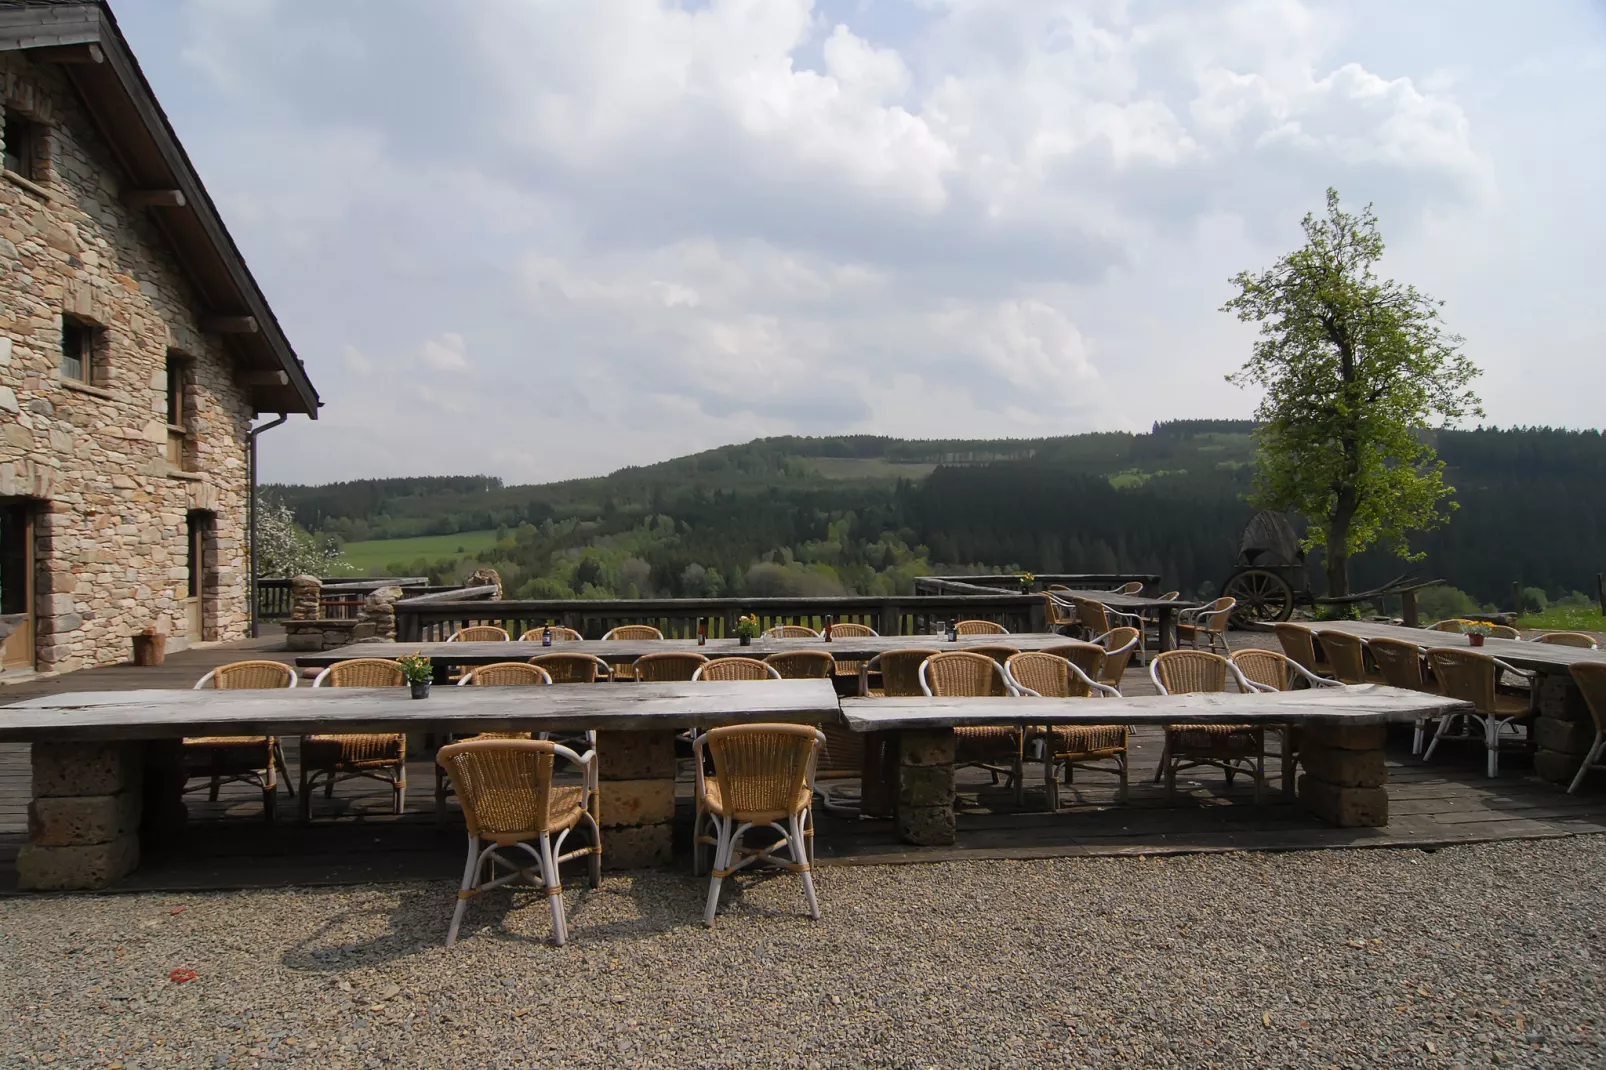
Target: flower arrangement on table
point(1477, 631)
point(418, 671)
point(748, 628)
point(1027, 579)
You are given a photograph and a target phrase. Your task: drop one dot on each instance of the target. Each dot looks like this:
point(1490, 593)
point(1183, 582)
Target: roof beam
point(265, 378)
point(155, 198)
point(229, 325)
point(68, 54)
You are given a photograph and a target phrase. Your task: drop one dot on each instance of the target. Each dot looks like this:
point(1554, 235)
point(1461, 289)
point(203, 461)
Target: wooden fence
point(342, 595)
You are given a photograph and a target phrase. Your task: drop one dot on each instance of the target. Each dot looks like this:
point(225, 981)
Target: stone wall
point(111, 514)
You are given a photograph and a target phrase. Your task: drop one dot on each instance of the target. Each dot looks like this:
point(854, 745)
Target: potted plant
point(1027, 579)
point(150, 646)
point(419, 673)
point(748, 629)
point(1476, 631)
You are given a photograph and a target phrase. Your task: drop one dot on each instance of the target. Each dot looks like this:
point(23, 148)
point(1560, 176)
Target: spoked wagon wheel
point(1261, 595)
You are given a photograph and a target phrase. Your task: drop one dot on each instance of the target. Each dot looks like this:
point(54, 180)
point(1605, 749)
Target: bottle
point(546, 634)
point(953, 630)
point(702, 631)
point(827, 636)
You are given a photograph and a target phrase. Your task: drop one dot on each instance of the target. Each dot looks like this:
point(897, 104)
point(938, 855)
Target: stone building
point(135, 350)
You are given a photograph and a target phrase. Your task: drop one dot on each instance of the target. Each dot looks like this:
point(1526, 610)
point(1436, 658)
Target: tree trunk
point(1337, 550)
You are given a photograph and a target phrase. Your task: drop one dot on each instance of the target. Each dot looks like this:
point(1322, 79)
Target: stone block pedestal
point(83, 822)
point(636, 798)
point(926, 786)
point(1563, 729)
point(1345, 779)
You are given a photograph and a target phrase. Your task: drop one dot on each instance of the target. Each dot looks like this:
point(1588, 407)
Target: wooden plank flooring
point(354, 839)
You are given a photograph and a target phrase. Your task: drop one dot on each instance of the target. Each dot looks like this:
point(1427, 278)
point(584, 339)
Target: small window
point(20, 135)
point(77, 349)
point(175, 392)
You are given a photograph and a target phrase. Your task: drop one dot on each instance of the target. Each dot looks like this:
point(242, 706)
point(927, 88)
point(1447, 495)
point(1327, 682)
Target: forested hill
point(789, 515)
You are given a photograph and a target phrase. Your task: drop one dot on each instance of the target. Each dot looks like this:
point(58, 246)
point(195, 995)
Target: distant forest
point(868, 514)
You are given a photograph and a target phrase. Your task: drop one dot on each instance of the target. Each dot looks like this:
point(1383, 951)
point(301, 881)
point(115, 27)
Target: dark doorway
point(16, 586)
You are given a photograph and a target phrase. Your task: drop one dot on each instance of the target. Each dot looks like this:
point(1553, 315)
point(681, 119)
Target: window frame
point(23, 148)
point(87, 332)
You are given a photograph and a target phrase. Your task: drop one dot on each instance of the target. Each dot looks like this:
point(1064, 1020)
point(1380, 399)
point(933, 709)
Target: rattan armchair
point(995, 748)
point(763, 775)
point(999, 652)
point(633, 632)
point(1119, 645)
point(1472, 676)
point(1087, 657)
point(1590, 676)
point(1347, 655)
point(900, 671)
point(980, 627)
point(791, 631)
point(1232, 748)
point(1097, 620)
point(560, 634)
point(573, 668)
point(1454, 624)
point(510, 802)
point(850, 630)
point(1131, 587)
point(497, 674)
point(1299, 643)
point(803, 664)
point(1207, 622)
point(1057, 612)
point(380, 756)
point(1577, 639)
point(669, 667)
point(735, 669)
point(1403, 664)
point(1268, 670)
point(479, 633)
point(257, 760)
point(1039, 674)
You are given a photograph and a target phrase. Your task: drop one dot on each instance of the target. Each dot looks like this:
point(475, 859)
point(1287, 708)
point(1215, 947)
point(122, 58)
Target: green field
point(1566, 619)
point(365, 557)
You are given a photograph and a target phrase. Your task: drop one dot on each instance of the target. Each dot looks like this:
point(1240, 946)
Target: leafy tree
point(284, 548)
point(1354, 370)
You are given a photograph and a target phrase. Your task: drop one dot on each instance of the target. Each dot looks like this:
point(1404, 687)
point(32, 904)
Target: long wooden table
point(1540, 657)
point(1165, 611)
point(1345, 778)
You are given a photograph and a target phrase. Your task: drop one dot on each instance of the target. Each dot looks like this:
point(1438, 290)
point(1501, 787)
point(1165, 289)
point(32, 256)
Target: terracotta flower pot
point(1475, 640)
point(149, 649)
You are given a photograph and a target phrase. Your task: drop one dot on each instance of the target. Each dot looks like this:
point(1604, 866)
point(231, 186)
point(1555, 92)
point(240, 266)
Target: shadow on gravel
point(415, 919)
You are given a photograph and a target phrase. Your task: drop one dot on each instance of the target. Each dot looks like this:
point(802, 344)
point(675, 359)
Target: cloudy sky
point(548, 238)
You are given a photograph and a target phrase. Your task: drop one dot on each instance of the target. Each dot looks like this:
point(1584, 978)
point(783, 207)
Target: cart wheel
point(1261, 595)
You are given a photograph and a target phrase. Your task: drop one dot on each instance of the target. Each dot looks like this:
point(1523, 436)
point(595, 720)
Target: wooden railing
point(342, 595)
point(1081, 581)
point(433, 618)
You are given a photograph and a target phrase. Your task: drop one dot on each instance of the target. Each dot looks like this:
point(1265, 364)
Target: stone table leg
point(83, 822)
point(1165, 627)
point(1563, 731)
point(926, 786)
point(1345, 780)
point(636, 804)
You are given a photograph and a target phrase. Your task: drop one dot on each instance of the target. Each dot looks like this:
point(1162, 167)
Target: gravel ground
point(1480, 956)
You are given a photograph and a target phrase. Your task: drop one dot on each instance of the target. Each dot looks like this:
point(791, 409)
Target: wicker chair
point(668, 668)
point(255, 760)
point(1590, 676)
point(1577, 639)
point(1232, 748)
point(1346, 653)
point(559, 635)
point(1472, 675)
point(510, 801)
point(850, 630)
point(479, 633)
point(997, 651)
point(1299, 643)
point(497, 674)
point(1267, 670)
point(1454, 624)
point(980, 627)
point(1119, 644)
point(1402, 664)
point(995, 748)
point(1039, 674)
point(633, 631)
point(572, 668)
point(803, 664)
point(1131, 587)
point(763, 774)
point(1501, 631)
point(1207, 622)
point(1098, 619)
point(791, 631)
point(734, 669)
point(380, 756)
point(1057, 612)
point(1087, 657)
point(900, 671)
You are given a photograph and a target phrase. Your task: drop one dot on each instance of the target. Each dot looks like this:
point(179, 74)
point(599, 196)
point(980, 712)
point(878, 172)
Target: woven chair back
point(1454, 625)
point(252, 676)
point(1218, 616)
point(1091, 615)
point(791, 631)
point(1298, 642)
point(960, 673)
point(1130, 588)
point(850, 630)
point(1124, 641)
point(802, 664)
point(634, 631)
point(1400, 662)
point(1057, 612)
point(733, 669)
point(1089, 657)
point(1185, 672)
point(1346, 654)
point(1048, 675)
point(1171, 596)
point(1590, 676)
point(569, 668)
point(1501, 631)
point(763, 769)
point(1265, 667)
point(980, 627)
point(504, 785)
point(1578, 639)
point(997, 651)
point(668, 668)
point(365, 672)
point(1468, 675)
point(559, 635)
point(900, 671)
point(843, 753)
point(506, 673)
point(479, 633)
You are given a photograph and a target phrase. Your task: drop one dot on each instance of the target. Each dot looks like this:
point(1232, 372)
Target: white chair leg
point(1416, 737)
point(594, 862)
point(1444, 727)
point(1590, 759)
point(470, 880)
point(554, 891)
point(722, 853)
point(799, 851)
point(1491, 740)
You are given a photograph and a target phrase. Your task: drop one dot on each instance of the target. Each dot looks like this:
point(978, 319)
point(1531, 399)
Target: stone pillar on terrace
point(636, 798)
point(379, 610)
point(926, 786)
point(487, 577)
point(1563, 731)
point(1345, 780)
point(83, 822)
point(306, 598)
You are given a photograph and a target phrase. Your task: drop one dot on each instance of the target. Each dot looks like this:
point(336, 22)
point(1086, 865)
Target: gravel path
point(1481, 956)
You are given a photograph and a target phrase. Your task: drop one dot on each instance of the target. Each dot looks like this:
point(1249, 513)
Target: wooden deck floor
point(354, 839)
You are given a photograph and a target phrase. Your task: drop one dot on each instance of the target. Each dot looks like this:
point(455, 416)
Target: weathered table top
point(1545, 657)
point(112, 715)
point(1127, 601)
point(1363, 704)
point(624, 651)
